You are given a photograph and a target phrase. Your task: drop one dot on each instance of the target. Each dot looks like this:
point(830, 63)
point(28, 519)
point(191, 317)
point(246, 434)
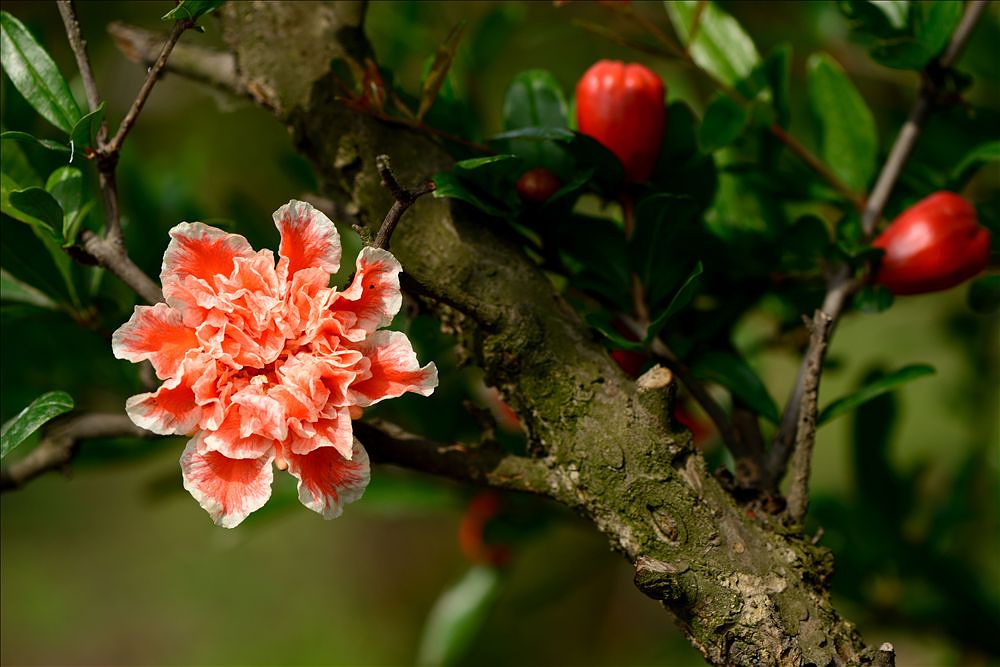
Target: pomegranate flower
point(266, 364)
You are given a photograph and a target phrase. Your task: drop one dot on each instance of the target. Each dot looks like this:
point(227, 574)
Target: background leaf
point(30, 419)
point(35, 75)
point(733, 373)
point(458, 616)
point(722, 124)
point(721, 46)
point(848, 138)
point(192, 9)
point(49, 144)
point(880, 386)
point(439, 69)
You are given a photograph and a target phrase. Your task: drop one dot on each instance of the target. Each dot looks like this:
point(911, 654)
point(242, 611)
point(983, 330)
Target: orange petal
point(373, 296)
point(308, 238)
point(156, 333)
point(228, 489)
point(328, 481)
point(169, 410)
point(336, 433)
point(201, 251)
point(394, 370)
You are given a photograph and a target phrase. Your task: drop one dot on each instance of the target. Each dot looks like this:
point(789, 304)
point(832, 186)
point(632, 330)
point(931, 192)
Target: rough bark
point(744, 592)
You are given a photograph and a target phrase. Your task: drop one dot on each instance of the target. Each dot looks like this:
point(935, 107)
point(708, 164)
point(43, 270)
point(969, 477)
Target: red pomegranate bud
point(935, 244)
point(537, 185)
point(622, 107)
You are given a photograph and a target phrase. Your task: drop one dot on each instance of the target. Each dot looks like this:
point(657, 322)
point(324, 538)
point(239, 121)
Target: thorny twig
point(403, 200)
point(798, 495)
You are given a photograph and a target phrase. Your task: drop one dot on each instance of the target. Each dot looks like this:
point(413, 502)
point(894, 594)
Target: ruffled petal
point(305, 437)
point(373, 296)
point(394, 370)
point(328, 481)
point(170, 410)
point(156, 333)
point(229, 440)
point(308, 238)
point(200, 251)
point(228, 489)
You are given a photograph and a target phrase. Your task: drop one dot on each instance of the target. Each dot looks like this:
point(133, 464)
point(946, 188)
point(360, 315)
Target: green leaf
point(476, 163)
point(733, 373)
point(882, 18)
point(660, 250)
point(804, 243)
point(934, 21)
point(35, 75)
point(84, 133)
point(66, 187)
point(458, 616)
point(723, 123)
point(988, 152)
point(439, 69)
point(848, 138)
point(721, 46)
point(49, 144)
point(12, 289)
point(535, 100)
point(536, 133)
point(984, 295)
point(448, 185)
point(36, 207)
point(880, 386)
point(601, 321)
point(681, 299)
point(28, 420)
point(191, 9)
point(873, 299)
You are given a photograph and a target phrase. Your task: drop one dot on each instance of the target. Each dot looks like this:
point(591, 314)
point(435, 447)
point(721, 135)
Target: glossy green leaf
point(30, 419)
point(880, 386)
point(660, 250)
point(35, 75)
point(988, 152)
point(439, 69)
point(458, 616)
point(984, 295)
point(873, 299)
point(535, 100)
point(735, 374)
point(934, 21)
point(16, 173)
point(66, 187)
point(847, 134)
point(24, 137)
point(883, 18)
point(723, 123)
point(85, 132)
point(720, 46)
point(601, 322)
point(594, 249)
point(681, 299)
point(447, 185)
point(38, 208)
point(536, 133)
point(191, 9)
point(12, 289)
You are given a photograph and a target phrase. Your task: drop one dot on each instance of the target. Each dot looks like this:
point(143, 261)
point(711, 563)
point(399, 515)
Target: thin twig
point(403, 200)
point(79, 46)
point(59, 444)
point(492, 466)
point(113, 257)
point(817, 165)
point(911, 129)
point(115, 144)
point(798, 495)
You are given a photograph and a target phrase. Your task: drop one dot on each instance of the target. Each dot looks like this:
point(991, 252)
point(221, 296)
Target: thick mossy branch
point(743, 594)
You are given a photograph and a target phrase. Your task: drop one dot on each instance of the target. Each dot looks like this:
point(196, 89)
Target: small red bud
point(622, 107)
point(935, 244)
point(537, 185)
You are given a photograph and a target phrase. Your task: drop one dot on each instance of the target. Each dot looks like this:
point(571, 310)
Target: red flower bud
point(622, 107)
point(935, 244)
point(537, 185)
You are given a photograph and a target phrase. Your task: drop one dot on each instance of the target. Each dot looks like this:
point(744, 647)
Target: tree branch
point(59, 444)
point(113, 257)
point(490, 466)
point(67, 11)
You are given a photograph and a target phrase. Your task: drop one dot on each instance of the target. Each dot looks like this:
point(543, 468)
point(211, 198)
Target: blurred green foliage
point(119, 567)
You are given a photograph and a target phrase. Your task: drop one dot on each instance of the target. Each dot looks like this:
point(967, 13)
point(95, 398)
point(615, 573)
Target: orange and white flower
point(264, 364)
